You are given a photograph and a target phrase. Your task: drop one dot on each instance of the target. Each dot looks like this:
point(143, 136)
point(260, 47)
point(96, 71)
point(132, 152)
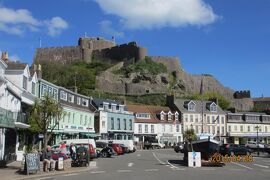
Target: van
point(128, 143)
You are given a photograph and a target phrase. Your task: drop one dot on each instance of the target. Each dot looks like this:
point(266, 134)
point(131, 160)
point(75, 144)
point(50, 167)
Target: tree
point(46, 114)
point(189, 136)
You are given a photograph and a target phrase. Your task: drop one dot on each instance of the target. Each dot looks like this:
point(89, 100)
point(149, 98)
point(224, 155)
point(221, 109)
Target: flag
point(216, 119)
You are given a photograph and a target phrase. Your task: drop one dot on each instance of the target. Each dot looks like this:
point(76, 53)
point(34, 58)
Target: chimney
point(4, 56)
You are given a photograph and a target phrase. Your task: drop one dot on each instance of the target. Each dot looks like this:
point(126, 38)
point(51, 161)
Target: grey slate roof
point(182, 106)
point(16, 66)
point(99, 102)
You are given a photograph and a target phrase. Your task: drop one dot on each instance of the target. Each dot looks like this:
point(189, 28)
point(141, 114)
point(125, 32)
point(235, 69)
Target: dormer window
point(78, 100)
point(117, 107)
point(176, 116)
point(191, 106)
point(213, 107)
point(70, 98)
point(63, 95)
point(110, 106)
point(84, 102)
point(143, 115)
point(162, 116)
point(169, 116)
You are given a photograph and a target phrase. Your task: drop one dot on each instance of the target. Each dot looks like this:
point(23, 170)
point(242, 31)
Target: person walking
point(72, 150)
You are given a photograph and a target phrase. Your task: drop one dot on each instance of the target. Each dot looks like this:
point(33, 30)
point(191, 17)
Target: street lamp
point(257, 128)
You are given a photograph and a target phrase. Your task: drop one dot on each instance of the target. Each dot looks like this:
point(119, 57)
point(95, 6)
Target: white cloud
point(149, 14)
point(56, 25)
point(107, 28)
point(19, 21)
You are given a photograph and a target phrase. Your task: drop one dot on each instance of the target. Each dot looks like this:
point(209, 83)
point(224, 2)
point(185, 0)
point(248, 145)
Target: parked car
point(117, 148)
point(82, 141)
point(254, 145)
point(103, 150)
point(124, 148)
point(179, 148)
point(127, 143)
point(89, 147)
point(234, 149)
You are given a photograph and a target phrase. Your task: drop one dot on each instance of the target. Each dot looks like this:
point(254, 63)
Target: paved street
point(166, 164)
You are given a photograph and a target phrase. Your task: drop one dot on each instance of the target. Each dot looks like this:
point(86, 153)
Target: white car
point(254, 145)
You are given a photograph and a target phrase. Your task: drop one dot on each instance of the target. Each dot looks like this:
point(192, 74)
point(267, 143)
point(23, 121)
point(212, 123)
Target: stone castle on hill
point(89, 50)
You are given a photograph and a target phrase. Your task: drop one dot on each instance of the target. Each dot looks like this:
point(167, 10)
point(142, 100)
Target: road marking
point(138, 154)
point(172, 166)
point(44, 178)
point(261, 165)
point(178, 169)
point(130, 164)
point(74, 174)
point(161, 162)
point(241, 165)
point(98, 172)
point(123, 171)
point(93, 164)
point(150, 170)
point(208, 169)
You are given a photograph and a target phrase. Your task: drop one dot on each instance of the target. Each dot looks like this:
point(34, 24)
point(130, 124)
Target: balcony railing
point(8, 118)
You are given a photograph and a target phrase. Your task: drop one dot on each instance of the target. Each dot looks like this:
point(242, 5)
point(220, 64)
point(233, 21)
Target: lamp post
point(257, 142)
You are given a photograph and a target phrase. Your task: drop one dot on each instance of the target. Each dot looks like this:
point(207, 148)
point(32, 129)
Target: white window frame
point(78, 100)
point(63, 95)
point(86, 102)
point(71, 98)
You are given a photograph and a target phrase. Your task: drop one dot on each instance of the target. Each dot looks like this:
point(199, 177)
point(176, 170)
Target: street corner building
point(113, 121)
point(156, 124)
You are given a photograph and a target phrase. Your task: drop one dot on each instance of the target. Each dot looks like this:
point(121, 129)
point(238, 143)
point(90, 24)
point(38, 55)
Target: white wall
point(103, 117)
point(136, 128)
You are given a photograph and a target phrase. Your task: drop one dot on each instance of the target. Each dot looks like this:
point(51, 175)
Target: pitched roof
point(181, 105)
point(152, 110)
point(261, 99)
point(16, 66)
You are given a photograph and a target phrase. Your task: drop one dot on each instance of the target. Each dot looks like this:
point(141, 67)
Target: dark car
point(234, 149)
point(179, 148)
point(103, 150)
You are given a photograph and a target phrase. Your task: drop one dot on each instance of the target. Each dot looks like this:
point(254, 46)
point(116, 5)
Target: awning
point(90, 134)
point(21, 125)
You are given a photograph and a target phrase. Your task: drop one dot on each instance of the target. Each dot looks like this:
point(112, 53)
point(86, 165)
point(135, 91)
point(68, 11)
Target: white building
point(205, 117)
point(156, 124)
point(248, 126)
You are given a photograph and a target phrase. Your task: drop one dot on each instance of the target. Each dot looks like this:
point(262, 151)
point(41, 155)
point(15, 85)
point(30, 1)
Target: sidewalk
point(12, 172)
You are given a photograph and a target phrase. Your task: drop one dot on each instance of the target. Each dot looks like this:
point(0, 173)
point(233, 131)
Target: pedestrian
point(63, 148)
point(72, 150)
point(48, 162)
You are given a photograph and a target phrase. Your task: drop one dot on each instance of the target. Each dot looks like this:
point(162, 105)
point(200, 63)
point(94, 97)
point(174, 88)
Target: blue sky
point(226, 38)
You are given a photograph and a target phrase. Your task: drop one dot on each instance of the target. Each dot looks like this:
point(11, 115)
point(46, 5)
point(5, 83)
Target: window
point(213, 119)
point(118, 123)
point(171, 128)
point(191, 106)
point(78, 100)
point(248, 128)
point(125, 124)
point(152, 129)
point(55, 94)
point(24, 82)
point(213, 107)
point(222, 120)
point(196, 118)
point(146, 128)
point(117, 107)
point(169, 116)
point(140, 128)
point(63, 95)
point(176, 116)
point(191, 118)
point(71, 98)
point(177, 128)
point(163, 128)
point(265, 129)
point(43, 89)
point(85, 121)
point(208, 119)
point(229, 128)
point(33, 88)
point(222, 130)
point(213, 130)
point(90, 121)
point(161, 116)
point(50, 91)
point(81, 120)
point(69, 117)
point(84, 102)
point(235, 128)
point(103, 124)
point(186, 118)
point(196, 129)
point(143, 115)
point(130, 124)
point(241, 128)
point(73, 118)
point(110, 106)
point(112, 123)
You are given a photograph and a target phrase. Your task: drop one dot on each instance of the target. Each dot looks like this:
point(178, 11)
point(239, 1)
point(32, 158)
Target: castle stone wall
point(172, 63)
point(58, 55)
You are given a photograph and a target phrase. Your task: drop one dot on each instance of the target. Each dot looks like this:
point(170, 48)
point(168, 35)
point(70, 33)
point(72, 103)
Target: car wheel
point(103, 154)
